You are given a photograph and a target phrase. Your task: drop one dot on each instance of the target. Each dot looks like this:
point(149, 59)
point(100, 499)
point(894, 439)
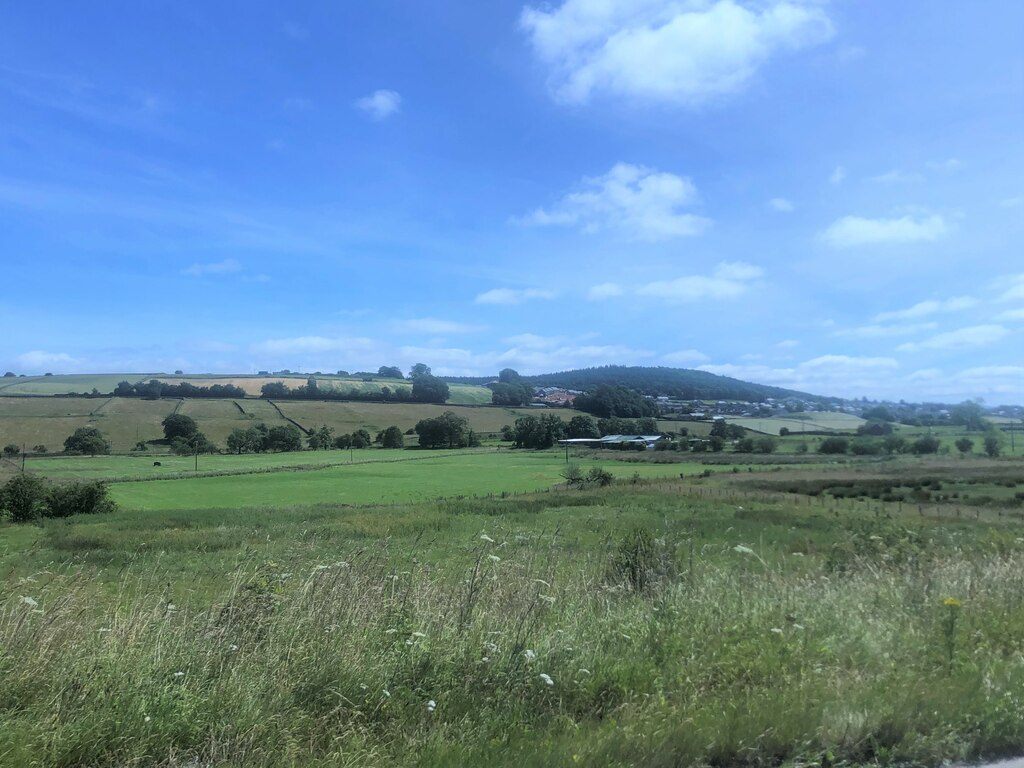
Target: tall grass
point(504, 646)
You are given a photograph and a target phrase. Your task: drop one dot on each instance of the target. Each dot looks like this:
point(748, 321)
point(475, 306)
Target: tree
point(925, 444)
point(192, 445)
point(429, 389)
point(22, 498)
point(507, 433)
point(11, 450)
point(992, 447)
point(179, 425)
point(249, 440)
point(834, 445)
point(9, 375)
point(538, 433)
point(321, 438)
point(86, 440)
point(274, 389)
point(284, 438)
point(647, 426)
point(606, 401)
point(581, 427)
point(878, 413)
point(964, 445)
point(445, 431)
point(392, 438)
point(508, 376)
point(968, 414)
point(420, 369)
point(514, 393)
point(360, 439)
point(390, 372)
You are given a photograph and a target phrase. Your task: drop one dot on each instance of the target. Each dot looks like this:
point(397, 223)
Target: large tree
point(390, 372)
point(445, 431)
point(429, 389)
point(179, 425)
point(86, 440)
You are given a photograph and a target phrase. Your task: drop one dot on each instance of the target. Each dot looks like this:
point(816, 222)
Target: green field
point(376, 482)
point(67, 383)
point(676, 622)
point(825, 421)
point(31, 421)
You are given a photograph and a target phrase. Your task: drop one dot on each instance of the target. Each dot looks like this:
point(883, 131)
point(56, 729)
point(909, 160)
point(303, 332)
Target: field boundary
point(288, 418)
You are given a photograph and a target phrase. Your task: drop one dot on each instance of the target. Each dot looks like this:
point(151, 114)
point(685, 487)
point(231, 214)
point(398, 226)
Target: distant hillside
point(682, 383)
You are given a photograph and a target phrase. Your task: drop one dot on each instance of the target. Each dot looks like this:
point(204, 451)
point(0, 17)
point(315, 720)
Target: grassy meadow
point(648, 623)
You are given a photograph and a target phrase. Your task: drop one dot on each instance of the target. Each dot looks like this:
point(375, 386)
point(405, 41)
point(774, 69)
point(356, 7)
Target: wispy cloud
point(781, 205)
point(40, 360)
point(513, 295)
point(604, 291)
point(834, 374)
point(929, 307)
point(729, 281)
point(897, 176)
point(1015, 289)
point(885, 331)
point(962, 338)
point(430, 325)
point(380, 104)
point(636, 201)
point(308, 344)
point(226, 267)
point(666, 51)
point(685, 356)
point(851, 231)
point(838, 176)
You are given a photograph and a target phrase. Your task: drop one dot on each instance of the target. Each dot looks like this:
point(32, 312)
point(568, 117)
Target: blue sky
point(822, 195)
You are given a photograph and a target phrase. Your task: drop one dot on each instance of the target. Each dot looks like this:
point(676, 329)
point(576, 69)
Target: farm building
point(616, 441)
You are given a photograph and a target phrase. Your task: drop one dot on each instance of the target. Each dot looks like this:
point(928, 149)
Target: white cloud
point(781, 204)
point(604, 291)
point(637, 201)
point(926, 308)
point(728, 281)
point(788, 344)
point(949, 164)
point(851, 231)
point(962, 338)
point(838, 176)
point(666, 50)
point(39, 360)
point(380, 104)
point(884, 331)
point(685, 356)
point(897, 176)
point(534, 341)
point(312, 344)
point(1016, 290)
point(531, 357)
point(434, 326)
point(228, 266)
point(1011, 315)
point(513, 295)
point(841, 375)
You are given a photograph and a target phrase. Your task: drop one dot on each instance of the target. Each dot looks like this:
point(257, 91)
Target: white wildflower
point(171, 607)
point(103, 630)
point(146, 719)
point(233, 648)
point(419, 634)
point(387, 693)
point(390, 631)
point(431, 705)
point(485, 537)
point(776, 631)
point(179, 675)
point(29, 601)
point(530, 655)
point(547, 679)
point(743, 550)
point(494, 558)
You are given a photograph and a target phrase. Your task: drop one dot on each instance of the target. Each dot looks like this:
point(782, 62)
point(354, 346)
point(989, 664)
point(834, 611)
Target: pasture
point(653, 622)
point(824, 421)
point(33, 421)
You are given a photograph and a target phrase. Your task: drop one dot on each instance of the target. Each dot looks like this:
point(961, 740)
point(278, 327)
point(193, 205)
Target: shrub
point(834, 445)
point(78, 499)
point(23, 498)
point(600, 476)
point(926, 444)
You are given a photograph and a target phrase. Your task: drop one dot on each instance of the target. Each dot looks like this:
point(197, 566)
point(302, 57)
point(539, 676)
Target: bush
point(834, 445)
point(78, 499)
point(27, 497)
point(925, 444)
point(600, 476)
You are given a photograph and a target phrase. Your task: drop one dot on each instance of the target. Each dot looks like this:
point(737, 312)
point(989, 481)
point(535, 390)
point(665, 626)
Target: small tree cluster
point(359, 439)
point(27, 497)
point(575, 477)
point(446, 431)
point(86, 440)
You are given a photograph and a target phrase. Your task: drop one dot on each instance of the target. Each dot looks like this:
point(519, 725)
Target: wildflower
point(547, 679)
point(530, 655)
point(743, 550)
point(146, 719)
point(387, 693)
point(485, 537)
point(776, 631)
point(233, 648)
point(494, 558)
point(103, 630)
point(431, 705)
point(29, 601)
point(179, 675)
point(952, 602)
point(418, 634)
